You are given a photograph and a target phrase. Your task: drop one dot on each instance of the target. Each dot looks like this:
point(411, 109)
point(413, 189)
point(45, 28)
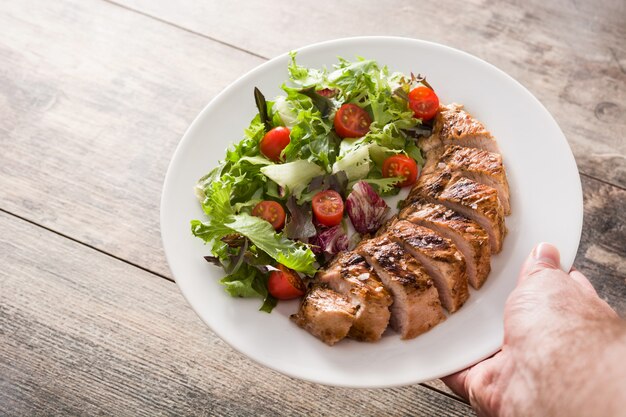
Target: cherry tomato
point(274, 142)
point(424, 102)
point(328, 207)
point(326, 92)
point(351, 121)
point(272, 212)
point(401, 166)
point(285, 284)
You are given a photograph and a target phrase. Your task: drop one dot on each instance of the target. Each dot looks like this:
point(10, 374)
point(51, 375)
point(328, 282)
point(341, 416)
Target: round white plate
point(546, 201)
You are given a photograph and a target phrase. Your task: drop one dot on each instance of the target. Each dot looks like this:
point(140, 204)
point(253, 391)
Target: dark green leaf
point(261, 104)
point(268, 304)
point(323, 104)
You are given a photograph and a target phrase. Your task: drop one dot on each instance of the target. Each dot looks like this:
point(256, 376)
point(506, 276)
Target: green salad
point(313, 159)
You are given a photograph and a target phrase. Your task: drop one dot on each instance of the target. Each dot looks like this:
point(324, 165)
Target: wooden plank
point(85, 334)
point(570, 54)
point(94, 100)
point(85, 141)
point(602, 253)
point(91, 118)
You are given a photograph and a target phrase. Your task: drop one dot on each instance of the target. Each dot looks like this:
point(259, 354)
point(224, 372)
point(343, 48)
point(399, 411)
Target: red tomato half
point(424, 102)
point(351, 121)
point(285, 284)
point(274, 142)
point(401, 166)
point(328, 207)
point(272, 212)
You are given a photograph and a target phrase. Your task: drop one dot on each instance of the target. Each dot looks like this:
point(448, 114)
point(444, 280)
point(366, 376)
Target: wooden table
point(94, 97)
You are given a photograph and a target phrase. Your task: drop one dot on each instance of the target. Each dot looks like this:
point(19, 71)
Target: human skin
point(564, 350)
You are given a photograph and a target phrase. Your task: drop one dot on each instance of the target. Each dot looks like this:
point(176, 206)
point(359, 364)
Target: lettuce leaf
point(294, 176)
point(294, 255)
point(248, 282)
point(245, 280)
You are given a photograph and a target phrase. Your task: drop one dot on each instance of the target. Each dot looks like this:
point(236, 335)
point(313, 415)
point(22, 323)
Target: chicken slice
point(325, 314)
point(351, 276)
point(455, 126)
point(478, 165)
point(439, 256)
point(477, 201)
point(416, 307)
point(470, 239)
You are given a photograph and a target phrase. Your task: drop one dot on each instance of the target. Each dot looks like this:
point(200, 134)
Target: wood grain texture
point(570, 53)
point(86, 143)
point(84, 334)
point(94, 100)
point(602, 252)
point(91, 118)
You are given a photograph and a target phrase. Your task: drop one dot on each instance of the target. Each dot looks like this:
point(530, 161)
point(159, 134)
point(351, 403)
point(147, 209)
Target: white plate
point(546, 202)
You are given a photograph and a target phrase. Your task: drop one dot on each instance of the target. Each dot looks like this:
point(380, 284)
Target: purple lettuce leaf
point(300, 225)
point(330, 241)
point(366, 209)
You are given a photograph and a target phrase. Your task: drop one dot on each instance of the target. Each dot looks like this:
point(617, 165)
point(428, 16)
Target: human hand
point(564, 350)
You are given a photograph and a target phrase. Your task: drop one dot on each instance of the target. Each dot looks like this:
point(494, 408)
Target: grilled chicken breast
point(454, 126)
point(477, 201)
point(351, 276)
point(423, 258)
point(325, 314)
point(439, 256)
point(478, 165)
point(416, 307)
point(468, 236)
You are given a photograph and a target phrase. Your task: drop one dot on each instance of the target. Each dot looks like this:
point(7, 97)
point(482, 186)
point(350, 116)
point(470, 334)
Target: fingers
point(456, 382)
point(543, 256)
point(480, 384)
point(582, 280)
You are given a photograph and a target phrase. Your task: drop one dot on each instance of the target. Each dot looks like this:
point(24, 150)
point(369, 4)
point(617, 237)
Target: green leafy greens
point(247, 246)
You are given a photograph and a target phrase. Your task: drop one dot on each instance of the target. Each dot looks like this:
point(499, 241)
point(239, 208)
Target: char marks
point(425, 257)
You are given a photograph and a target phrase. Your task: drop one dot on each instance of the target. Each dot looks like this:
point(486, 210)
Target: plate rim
point(167, 184)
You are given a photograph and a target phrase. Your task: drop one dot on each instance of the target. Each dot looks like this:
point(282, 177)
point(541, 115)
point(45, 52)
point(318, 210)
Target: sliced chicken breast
point(478, 165)
point(325, 314)
point(477, 201)
point(351, 276)
point(439, 256)
point(468, 236)
point(416, 307)
point(454, 126)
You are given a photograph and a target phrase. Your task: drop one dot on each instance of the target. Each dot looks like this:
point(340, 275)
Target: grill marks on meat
point(439, 256)
point(325, 314)
point(423, 258)
point(455, 126)
point(476, 201)
point(416, 307)
point(478, 165)
point(352, 277)
point(468, 236)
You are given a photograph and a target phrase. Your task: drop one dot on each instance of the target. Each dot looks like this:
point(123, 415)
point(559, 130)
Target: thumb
point(543, 256)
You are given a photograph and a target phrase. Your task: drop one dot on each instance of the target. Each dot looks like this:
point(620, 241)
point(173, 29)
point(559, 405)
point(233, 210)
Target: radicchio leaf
point(331, 240)
point(366, 209)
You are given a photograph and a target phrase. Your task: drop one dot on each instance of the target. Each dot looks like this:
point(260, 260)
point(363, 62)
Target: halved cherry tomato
point(274, 142)
point(424, 102)
point(328, 207)
point(285, 284)
point(272, 212)
point(401, 166)
point(351, 121)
